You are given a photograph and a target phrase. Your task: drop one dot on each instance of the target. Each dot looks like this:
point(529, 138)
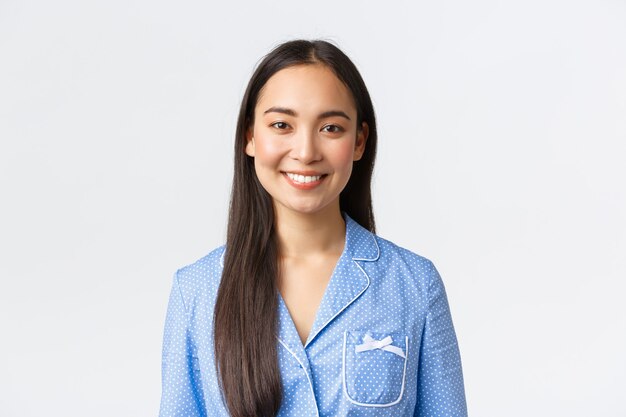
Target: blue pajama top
point(382, 343)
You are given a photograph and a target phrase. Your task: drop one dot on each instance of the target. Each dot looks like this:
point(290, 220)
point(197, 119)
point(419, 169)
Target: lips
point(304, 180)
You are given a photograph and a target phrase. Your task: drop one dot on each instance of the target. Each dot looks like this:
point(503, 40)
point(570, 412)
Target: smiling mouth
point(304, 179)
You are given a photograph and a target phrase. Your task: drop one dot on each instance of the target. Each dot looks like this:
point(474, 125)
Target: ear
point(250, 149)
point(361, 140)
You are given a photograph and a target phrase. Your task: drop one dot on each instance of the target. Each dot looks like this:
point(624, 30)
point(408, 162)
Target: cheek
point(267, 152)
point(342, 156)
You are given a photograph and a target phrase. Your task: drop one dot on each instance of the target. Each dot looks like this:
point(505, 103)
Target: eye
point(332, 129)
point(280, 125)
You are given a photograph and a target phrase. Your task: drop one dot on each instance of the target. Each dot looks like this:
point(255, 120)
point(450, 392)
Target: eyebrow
point(290, 112)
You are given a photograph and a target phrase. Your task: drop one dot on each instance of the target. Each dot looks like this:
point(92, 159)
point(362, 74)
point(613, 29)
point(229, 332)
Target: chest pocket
point(374, 368)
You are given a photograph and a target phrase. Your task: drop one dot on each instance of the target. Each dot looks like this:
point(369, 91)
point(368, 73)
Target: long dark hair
point(247, 300)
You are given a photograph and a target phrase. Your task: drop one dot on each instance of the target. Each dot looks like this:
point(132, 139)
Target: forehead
point(312, 87)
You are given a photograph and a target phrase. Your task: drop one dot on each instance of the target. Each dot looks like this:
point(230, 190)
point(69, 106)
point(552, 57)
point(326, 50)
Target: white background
point(502, 129)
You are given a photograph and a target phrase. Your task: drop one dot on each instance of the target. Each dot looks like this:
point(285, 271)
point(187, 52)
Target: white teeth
point(303, 179)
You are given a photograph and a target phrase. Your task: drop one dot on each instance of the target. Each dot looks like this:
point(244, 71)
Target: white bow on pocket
point(369, 343)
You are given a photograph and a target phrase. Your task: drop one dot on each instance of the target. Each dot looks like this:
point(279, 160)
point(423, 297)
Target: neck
point(301, 235)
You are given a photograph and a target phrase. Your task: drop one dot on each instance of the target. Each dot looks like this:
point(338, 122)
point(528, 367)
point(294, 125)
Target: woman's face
point(305, 138)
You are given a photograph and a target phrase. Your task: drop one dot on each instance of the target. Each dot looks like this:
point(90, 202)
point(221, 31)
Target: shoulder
point(397, 257)
point(202, 275)
point(203, 267)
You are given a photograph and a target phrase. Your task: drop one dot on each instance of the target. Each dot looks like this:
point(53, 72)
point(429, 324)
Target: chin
point(307, 209)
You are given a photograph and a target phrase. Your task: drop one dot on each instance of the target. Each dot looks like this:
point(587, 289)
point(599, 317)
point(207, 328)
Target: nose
point(306, 147)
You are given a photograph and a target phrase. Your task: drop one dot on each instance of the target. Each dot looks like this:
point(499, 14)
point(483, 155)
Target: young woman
point(305, 311)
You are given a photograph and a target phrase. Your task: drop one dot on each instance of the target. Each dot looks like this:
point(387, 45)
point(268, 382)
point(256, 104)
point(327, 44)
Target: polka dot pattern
point(378, 291)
